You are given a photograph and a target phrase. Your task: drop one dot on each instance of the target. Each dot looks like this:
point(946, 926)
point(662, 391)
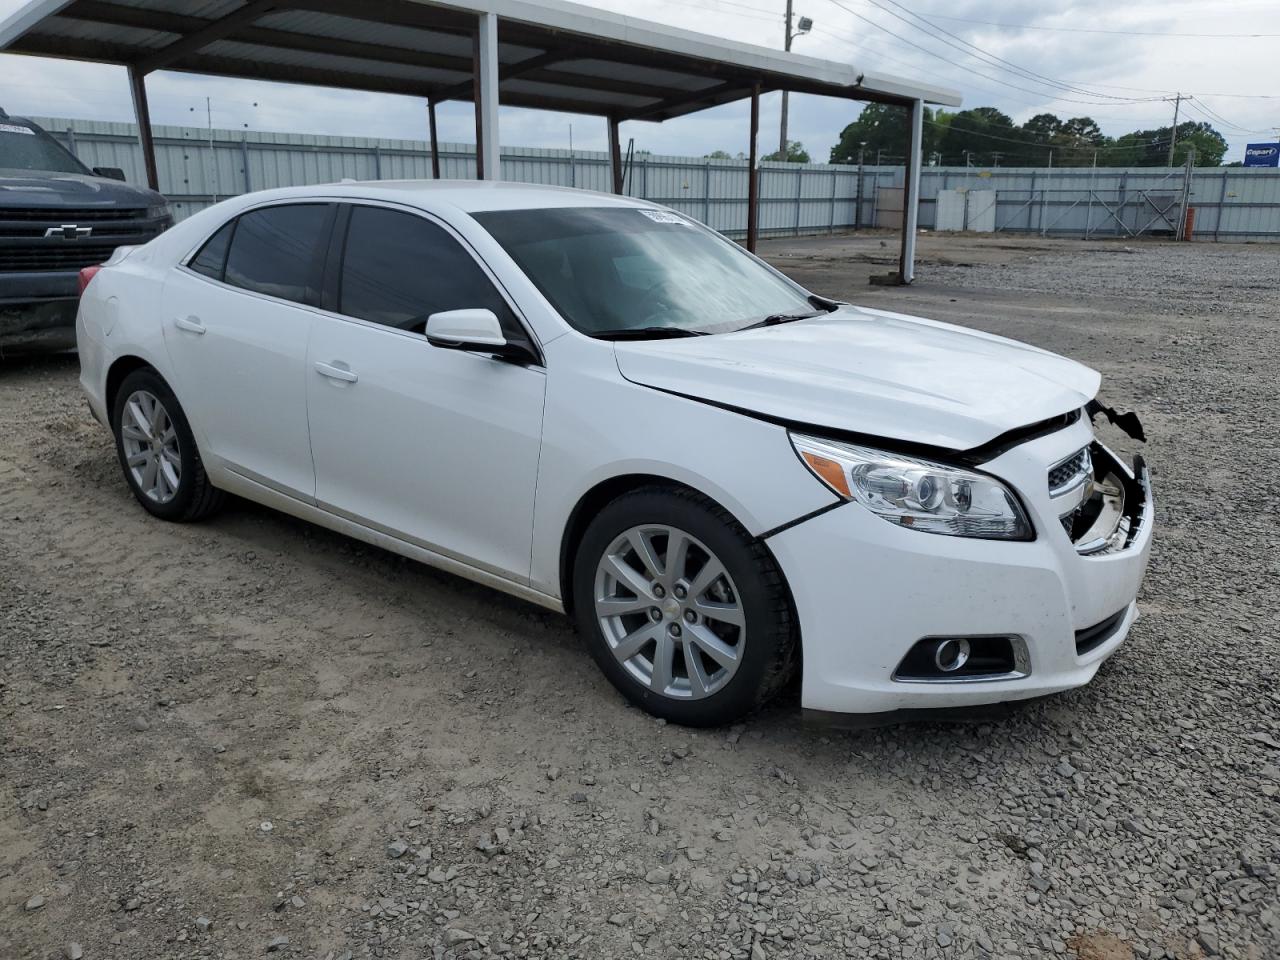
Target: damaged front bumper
point(868, 593)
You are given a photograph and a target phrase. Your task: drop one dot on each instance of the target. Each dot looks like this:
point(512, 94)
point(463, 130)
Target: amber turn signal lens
point(831, 473)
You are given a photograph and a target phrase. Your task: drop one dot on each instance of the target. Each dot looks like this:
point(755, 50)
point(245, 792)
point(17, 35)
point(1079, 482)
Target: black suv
point(56, 216)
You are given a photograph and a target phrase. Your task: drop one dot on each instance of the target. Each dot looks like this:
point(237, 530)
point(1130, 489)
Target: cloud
point(1104, 68)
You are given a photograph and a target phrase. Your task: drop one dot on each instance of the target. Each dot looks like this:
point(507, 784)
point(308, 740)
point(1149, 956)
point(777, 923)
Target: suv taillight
point(87, 274)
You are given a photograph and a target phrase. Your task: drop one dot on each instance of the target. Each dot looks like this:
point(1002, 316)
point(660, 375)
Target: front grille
point(1090, 638)
point(58, 215)
point(25, 248)
point(50, 256)
point(1063, 474)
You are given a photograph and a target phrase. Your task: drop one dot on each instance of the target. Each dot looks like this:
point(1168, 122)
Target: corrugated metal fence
point(198, 167)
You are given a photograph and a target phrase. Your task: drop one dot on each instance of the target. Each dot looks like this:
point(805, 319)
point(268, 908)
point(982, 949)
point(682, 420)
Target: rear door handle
point(190, 324)
point(335, 372)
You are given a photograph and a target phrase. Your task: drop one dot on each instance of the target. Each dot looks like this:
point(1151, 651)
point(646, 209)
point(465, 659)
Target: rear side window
point(212, 257)
point(398, 269)
point(275, 251)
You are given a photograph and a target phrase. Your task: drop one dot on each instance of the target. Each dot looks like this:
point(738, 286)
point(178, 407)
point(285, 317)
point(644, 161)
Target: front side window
point(24, 147)
point(275, 251)
point(615, 269)
point(399, 268)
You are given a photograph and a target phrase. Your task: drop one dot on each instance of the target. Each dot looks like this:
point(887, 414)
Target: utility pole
point(782, 136)
point(213, 157)
point(995, 158)
point(801, 28)
point(1173, 133)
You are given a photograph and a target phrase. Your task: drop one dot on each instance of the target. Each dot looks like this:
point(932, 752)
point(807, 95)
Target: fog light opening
point(950, 655)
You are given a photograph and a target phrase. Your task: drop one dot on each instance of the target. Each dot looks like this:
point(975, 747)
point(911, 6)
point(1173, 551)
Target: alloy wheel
point(150, 442)
point(670, 612)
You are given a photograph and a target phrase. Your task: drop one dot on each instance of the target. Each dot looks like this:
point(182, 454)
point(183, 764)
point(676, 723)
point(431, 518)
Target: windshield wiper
point(776, 318)
point(646, 333)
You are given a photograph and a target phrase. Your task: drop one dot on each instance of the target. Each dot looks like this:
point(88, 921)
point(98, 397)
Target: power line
point(933, 53)
point(1215, 117)
point(1041, 98)
point(984, 56)
point(1120, 33)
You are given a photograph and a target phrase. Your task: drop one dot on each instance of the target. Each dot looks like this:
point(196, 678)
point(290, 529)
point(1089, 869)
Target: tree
point(884, 130)
point(718, 155)
point(982, 133)
point(1150, 148)
point(796, 153)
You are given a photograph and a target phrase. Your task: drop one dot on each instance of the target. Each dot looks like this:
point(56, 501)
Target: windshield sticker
point(14, 128)
point(664, 216)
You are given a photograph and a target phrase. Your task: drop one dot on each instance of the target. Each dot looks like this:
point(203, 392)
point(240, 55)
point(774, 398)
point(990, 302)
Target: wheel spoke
point(621, 606)
point(131, 432)
point(170, 476)
point(634, 642)
point(712, 646)
point(663, 661)
point(139, 417)
point(711, 571)
point(644, 550)
point(677, 554)
point(699, 683)
point(139, 458)
point(149, 474)
point(628, 577)
point(729, 613)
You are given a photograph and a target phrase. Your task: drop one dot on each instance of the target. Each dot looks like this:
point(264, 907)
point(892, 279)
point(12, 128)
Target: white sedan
point(605, 408)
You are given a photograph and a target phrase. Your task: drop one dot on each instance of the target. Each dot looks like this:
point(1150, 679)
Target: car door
point(435, 446)
point(237, 319)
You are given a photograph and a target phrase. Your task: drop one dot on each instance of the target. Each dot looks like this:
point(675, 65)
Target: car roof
point(468, 196)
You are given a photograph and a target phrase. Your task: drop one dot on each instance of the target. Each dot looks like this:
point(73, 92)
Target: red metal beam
point(142, 113)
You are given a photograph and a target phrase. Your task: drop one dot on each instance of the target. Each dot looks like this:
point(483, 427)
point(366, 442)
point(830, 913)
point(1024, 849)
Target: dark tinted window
point(398, 269)
point(26, 147)
point(274, 251)
point(213, 255)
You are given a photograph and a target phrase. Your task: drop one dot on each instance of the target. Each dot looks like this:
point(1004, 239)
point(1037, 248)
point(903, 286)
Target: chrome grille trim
point(1070, 473)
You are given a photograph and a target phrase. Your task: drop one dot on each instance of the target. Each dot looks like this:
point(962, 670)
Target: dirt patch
point(216, 736)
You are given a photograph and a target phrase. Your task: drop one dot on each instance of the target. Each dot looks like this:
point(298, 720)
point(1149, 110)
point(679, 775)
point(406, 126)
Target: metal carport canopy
point(543, 54)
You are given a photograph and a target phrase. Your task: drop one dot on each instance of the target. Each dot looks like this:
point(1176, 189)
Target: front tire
point(686, 614)
point(157, 450)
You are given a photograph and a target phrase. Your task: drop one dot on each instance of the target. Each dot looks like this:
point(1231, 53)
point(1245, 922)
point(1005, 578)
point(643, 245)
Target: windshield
point(26, 148)
point(609, 270)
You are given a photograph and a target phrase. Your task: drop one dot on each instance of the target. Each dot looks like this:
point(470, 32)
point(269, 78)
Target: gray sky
point(1226, 74)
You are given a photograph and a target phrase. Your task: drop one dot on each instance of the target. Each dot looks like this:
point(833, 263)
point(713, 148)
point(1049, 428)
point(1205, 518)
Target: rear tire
point(686, 614)
point(157, 450)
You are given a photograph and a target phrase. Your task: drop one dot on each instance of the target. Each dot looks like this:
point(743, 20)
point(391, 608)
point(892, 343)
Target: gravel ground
point(252, 736)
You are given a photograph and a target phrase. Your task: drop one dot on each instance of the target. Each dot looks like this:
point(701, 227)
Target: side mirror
point(109, 173)
point(473, 329)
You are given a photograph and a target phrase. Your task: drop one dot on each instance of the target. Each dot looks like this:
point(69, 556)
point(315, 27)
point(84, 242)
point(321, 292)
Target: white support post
point(487, 95)
point(911, 192)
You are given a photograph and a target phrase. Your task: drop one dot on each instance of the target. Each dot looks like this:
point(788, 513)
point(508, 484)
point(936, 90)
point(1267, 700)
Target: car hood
point(869, 372)
point(24, 189)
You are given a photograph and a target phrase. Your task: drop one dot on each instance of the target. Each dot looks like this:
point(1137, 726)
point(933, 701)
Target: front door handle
point(335, 372)
point(190, 324)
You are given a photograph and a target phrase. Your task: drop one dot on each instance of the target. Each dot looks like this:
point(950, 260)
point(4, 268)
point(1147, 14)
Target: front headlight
point(159, 211)
point(914, 493)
